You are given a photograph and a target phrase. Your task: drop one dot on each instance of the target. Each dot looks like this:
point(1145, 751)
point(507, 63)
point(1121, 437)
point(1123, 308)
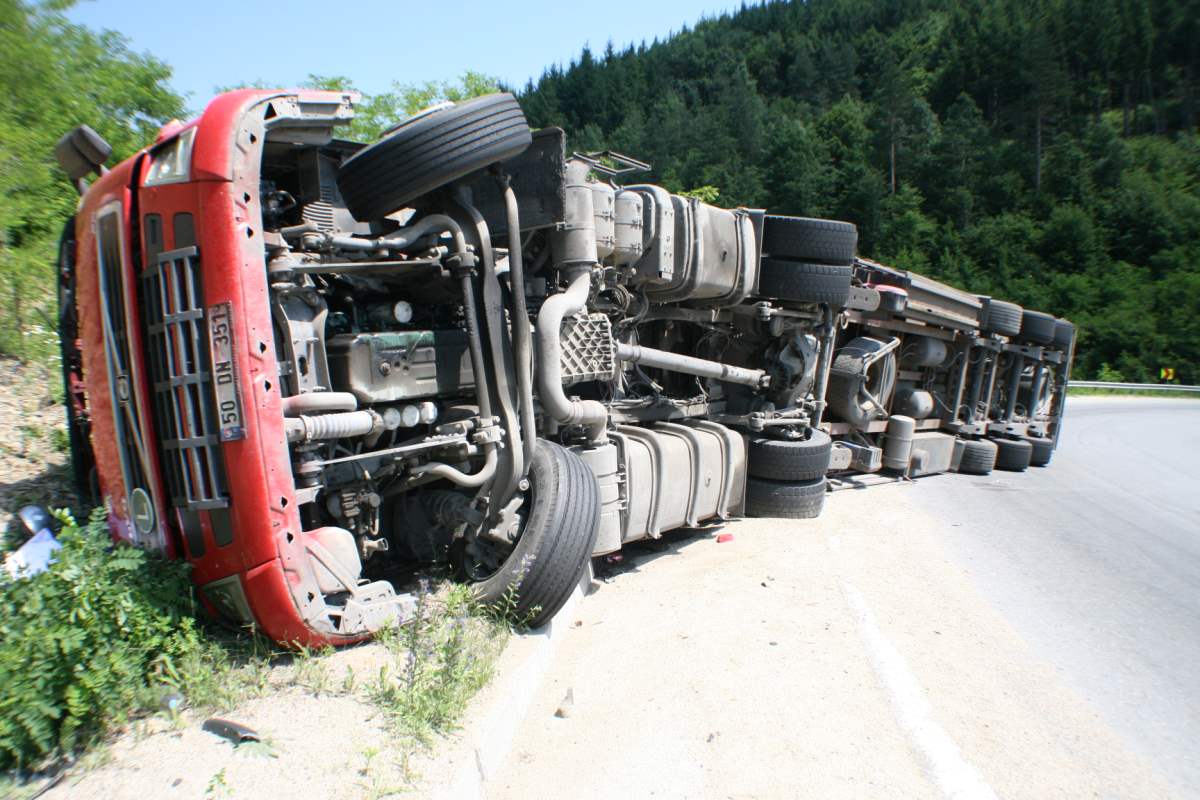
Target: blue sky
point(219, 42)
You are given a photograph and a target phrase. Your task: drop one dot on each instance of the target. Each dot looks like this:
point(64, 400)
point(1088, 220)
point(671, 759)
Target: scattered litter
point(35, 518)
point(566, 706)
point(724, 537)
point(232, 731)
point(171, 701)
point(773, 644)
point(34, 556)
point(614, 558)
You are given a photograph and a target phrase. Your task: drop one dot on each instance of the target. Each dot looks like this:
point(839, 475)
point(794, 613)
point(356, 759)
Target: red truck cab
point(178, 357)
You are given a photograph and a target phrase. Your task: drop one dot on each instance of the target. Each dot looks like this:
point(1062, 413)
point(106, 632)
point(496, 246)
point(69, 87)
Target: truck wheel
point(1038, 327)
point(83, 460)
point(1064, 333)
point(825, 240)
point(785, 460)
point(1043, 449)
point(978, 457)
point(801, 282)
point(431, 149)
point(802, 500)
point(561, 517)
point(1013, 455)
point(1000, 317)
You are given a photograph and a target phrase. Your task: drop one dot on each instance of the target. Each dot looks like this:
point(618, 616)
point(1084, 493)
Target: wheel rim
point(482, 556)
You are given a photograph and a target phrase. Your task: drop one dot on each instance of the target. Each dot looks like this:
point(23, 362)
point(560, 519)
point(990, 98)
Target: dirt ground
point(296, 757)
point(34, 457)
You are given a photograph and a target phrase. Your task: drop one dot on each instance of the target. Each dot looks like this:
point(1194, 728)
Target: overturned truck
point(312, 367)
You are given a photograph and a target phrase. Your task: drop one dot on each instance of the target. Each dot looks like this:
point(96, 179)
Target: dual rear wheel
point(787, 476)
point(807, 260)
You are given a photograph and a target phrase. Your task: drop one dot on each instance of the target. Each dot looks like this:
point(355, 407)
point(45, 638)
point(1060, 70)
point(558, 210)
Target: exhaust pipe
point(590, 413)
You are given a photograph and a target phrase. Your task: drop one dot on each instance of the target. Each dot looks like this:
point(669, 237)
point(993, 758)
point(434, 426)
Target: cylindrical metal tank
point(923, 351)
point(629, 227)
point(674, 475)
point(605, 212)
point(604, 462)
point(897, 445)
point(913, 402)
point(574, 243)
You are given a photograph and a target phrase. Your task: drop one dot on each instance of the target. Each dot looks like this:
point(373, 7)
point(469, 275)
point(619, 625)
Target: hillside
point(1042, 151)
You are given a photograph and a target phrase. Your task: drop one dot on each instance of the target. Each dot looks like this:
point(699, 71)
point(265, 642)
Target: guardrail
point(1152, 387)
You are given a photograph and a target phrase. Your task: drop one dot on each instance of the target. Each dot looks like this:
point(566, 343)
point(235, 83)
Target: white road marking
point(954, 776)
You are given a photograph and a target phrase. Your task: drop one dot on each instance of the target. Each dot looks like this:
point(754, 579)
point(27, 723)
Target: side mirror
point(80, 152)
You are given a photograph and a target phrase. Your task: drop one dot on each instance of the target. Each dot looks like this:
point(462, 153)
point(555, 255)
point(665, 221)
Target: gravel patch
point(34, 456)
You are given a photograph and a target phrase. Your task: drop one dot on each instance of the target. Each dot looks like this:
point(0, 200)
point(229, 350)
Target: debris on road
point(233, 731)
point(37, 554)
point(566, 706)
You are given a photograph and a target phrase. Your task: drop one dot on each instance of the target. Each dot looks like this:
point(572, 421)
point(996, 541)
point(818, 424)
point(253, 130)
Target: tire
point(1064, 334)
point(1000, 317)
point(1038, 327)
point(556, 542)
point(784, 460)
point(843, 393)
point(431, 149)
point(978, 457)
point(801, 282)
point(1043, 450)
point(824, 240)
point(1013, 455)
point(802, 500)
point(83, 459)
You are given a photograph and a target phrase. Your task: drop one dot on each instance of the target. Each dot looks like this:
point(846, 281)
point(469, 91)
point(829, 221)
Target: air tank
point(923, 351)
point(897, 445)
point(913, 402)
point(605, 213)
point(629, 228)
point(574, 243)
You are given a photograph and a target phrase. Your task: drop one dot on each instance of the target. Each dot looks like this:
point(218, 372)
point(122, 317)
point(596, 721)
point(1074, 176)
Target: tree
point(374, 114)
point(54, 75)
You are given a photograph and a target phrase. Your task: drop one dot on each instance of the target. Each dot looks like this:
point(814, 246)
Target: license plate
point(224, 372)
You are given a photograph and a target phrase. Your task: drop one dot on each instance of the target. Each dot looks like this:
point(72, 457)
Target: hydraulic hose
point(318, 403)
point(522, 344)
point(511, 466)
point(459, 477)
point(398, 240)
point(590, 413)
point(442, 222)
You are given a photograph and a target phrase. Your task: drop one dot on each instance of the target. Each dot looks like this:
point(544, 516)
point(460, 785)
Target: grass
point(1082, 391)
point(108, 637)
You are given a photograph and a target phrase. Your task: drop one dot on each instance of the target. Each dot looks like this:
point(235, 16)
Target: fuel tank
point(666, 476)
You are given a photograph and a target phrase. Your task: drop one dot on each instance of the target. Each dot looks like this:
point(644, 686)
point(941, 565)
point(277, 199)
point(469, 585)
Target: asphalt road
point(1021, 635)
point(1097, 565)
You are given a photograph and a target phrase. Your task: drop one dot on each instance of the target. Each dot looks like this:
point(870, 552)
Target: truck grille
point(126, 420)
point(182, 378)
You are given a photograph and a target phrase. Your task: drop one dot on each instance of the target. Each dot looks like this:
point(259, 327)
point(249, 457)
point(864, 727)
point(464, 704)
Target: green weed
point(439, 660)
point(1082, 391)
